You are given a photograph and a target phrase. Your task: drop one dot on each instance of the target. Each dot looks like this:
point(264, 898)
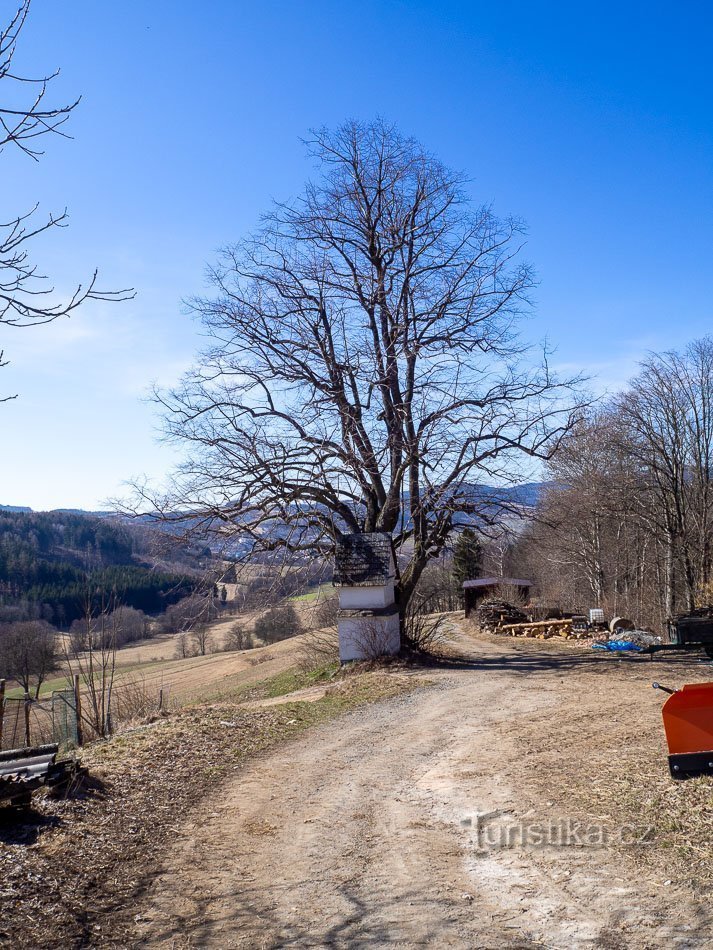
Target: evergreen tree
point(467, 558)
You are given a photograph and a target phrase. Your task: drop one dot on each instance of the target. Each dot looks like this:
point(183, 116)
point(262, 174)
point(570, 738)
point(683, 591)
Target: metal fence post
point(2, 708)
point(78, 709)
point(28, 703)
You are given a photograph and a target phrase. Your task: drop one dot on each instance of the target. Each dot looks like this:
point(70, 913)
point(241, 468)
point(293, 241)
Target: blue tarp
point(618, 646)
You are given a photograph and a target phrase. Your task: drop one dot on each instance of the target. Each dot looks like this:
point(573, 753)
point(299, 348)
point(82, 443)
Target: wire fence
point(77, 714)
point(30, 722)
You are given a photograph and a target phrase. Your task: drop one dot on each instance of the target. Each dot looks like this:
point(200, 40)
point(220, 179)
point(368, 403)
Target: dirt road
point(366, 832)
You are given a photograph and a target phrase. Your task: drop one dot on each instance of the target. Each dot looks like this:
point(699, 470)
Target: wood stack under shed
point(493, 614)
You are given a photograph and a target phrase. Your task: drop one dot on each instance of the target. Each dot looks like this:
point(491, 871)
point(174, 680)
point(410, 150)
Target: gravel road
point(369, 831)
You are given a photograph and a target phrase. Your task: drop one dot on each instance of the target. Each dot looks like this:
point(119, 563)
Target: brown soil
point(212, 831)
point(73, 868)
point(364, 831)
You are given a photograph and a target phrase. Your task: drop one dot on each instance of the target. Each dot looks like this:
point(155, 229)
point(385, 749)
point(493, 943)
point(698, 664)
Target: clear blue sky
point(592, 122)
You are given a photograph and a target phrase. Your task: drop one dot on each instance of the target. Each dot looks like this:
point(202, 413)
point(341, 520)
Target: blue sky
point(592, 122)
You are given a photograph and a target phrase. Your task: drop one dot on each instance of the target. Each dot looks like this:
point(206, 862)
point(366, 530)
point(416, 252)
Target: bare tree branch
point(365, 372)
point(25, 116)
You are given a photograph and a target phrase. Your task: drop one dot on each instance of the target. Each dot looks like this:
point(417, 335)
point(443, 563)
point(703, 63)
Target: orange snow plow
point(688, 723)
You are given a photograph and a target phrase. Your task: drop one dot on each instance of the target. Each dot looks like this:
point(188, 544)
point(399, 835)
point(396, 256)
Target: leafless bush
point(95, 664)
point(423, 628)
point(238, 638)
point(191, 612)
point(373, 640)
point(278, 623)
point(324, 612)
point(319, 647)
point(135, 701)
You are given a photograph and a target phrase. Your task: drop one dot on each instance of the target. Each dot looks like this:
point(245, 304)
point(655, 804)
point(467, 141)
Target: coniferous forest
point(52, 562)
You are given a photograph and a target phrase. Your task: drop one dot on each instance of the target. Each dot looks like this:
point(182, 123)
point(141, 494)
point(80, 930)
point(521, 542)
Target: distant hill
point(491, 502)
point(69, 511)
point(527, 495)
point(49, 561)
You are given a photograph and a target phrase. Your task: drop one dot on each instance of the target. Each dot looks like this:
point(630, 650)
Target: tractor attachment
point(688, 723)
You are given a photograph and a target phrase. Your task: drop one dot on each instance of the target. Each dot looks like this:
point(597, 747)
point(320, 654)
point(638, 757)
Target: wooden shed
point(484, 587)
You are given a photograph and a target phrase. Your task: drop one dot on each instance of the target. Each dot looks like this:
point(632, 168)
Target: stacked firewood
point(497, 616)
point(493, 614)
point(543, 630)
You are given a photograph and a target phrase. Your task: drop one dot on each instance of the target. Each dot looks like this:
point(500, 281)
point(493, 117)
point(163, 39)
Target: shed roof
point(363, 560)
point(496, 581)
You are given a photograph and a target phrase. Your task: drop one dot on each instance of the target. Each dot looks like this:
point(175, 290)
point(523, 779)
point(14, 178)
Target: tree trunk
point(670, 598)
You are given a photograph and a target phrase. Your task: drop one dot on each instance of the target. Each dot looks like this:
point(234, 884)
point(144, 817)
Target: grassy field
point(313, 596)
point(152, 665)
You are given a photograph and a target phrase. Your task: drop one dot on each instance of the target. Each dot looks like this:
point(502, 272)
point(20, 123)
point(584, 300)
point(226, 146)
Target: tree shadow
point(22, 825)
point(82, 786)
point(530, 660)
point(362, 922)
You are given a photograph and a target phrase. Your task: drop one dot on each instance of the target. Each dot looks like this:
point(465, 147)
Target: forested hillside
point(50, 562)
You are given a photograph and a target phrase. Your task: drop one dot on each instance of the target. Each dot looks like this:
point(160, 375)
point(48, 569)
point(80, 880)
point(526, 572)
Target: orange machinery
point(688, 723)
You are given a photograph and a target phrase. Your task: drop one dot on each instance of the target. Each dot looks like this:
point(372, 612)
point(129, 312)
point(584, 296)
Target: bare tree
point(668, 417)
point(26, 116)
point(202, 638)
point(238, 638)
point(183, 648)
point(593, 540)
point(28, 652)
point(628, 522)
point(92, 656)
point(366, 372)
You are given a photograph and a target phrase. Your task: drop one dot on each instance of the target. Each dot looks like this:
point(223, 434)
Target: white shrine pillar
point(368, 618)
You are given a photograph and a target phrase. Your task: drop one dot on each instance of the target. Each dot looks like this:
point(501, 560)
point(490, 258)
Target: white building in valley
point(365, 575)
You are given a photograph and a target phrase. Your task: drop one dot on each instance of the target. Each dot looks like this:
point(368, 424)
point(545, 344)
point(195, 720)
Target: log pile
point(543, 630)
point(497, 616)
point(493, 614)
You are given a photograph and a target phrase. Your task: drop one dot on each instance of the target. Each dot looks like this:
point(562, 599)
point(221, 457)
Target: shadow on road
point(531, 660)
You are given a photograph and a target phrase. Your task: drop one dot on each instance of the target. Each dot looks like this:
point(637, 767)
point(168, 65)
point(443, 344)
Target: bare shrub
point(423, 629)
point(193, 611)
point(278, 623)
point(319, 647)
point(373, 640)
point(324, 612)
point(95, 663)
point(238, 638)
point(135, 701)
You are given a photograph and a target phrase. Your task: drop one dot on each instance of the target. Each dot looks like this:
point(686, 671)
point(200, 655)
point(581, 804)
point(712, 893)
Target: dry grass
point(602, 756)
point(71, 873)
